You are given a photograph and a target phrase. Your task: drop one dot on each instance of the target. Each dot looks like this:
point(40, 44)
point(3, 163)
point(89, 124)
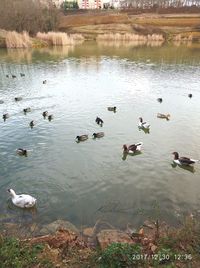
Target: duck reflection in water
point(125, 154)
point(188, 168)
point(146, 130)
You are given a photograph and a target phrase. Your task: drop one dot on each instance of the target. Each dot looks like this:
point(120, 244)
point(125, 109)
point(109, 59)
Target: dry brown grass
point(59, 38)
point(80, 20)
point(168, 22)
point(167, 25)
point(130, 37)
point(180, 37)
point(18, 40)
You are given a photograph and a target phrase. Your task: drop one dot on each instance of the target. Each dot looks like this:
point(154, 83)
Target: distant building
point(90, 4)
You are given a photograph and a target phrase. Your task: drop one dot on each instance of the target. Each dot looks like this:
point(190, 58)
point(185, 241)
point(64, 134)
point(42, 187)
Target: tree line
point(28, 15)
point(161, 3)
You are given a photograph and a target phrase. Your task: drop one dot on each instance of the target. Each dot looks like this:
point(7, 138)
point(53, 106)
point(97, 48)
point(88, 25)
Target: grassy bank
point(111, 25)
point(154, 245)
point(170, 25)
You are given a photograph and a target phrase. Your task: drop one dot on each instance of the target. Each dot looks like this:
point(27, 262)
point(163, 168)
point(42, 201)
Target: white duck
point(142, 124)
point(183, 160)
point(22, 200)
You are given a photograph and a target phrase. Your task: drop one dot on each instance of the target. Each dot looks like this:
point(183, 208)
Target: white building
point(90, 4)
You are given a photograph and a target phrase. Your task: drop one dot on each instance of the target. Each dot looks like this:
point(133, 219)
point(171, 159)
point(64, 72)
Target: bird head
point(11, 192)
point(125, 147)
point(175, 155)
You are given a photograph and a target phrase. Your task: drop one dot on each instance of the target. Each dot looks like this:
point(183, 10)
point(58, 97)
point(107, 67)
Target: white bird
point(183, 160)
point(142, 124)
point(22, 200)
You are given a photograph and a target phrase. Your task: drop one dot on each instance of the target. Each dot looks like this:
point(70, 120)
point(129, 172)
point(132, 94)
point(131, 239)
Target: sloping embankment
point(171, 26)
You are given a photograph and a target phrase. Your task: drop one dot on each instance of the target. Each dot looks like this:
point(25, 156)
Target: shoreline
point(153, 244)
point(109, 27)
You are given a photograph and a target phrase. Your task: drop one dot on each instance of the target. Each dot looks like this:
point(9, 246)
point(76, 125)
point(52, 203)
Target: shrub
point(119, 255)
point(13, 254)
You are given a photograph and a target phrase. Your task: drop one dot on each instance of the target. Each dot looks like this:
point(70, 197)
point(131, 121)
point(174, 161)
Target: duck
point(14, 76)
point(27, 110)
point(82, 138)
point(44, 82)
point(190, 95)
point(133, 148)
point(98, 135)
point(21, 74)
point(44, 114)
point(21, 151)
point(183, 160)
point(159, 100)
point(164, 116)
point(142, 124)
point(32, 124)
point(5, 116)
point(18, 98)
point(22, 200)
point(7, 76)
point(99, 121)
point(112, 109)
point(50, 117)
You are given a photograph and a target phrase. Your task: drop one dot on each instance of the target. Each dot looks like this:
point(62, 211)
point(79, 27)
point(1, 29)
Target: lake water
point(83, 182)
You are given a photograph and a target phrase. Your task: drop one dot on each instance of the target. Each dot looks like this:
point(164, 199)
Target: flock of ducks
point(24, 200)
point(26, 110)
point(27, 201)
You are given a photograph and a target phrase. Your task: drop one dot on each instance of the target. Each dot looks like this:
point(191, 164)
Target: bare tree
point(28, 15)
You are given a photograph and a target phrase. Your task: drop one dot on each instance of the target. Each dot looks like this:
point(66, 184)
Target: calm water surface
point(91, 180)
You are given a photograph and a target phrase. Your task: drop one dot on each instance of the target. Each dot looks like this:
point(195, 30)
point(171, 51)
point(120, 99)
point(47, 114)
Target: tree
point(28, 15)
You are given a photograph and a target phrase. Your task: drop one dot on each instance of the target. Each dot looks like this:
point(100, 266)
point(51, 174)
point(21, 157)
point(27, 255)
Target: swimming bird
point(22, 200)
point(32, 124)
point(14, 76)
point(21, 151)
point(82, 138)
point(44, 82)
point(112, 109)
point(133, 148)
point(50, 117)
point(5, 116)
point(190, 95)
point(183, 160)
point(44, 114)
point(98, 135)
point(99, 121)
point(164, 116)
point(142, 124)
point(21, 74)
point(27, 110)
point(18, 98)
point(1, 101)
point(159, 100)
point(7, 76)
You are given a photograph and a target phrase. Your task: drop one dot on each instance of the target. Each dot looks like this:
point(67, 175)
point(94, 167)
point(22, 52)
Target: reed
point(138, 43)
point(17, 40)
point(129, 37)
point(60, 38)
point(180, 37)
